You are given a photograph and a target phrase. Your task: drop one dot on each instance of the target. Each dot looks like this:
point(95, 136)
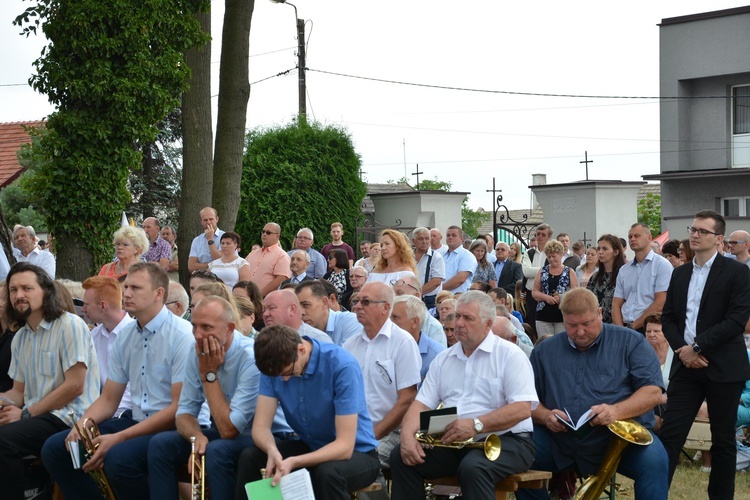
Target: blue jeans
point(648, 466)
point(169, 450)
point(125, 464)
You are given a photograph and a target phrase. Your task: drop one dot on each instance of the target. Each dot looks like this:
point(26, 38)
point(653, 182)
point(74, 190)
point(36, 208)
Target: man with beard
point(54, 370)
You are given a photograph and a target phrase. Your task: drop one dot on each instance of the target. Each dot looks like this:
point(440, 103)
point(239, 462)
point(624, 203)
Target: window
point(735, 207)
point(741, 126)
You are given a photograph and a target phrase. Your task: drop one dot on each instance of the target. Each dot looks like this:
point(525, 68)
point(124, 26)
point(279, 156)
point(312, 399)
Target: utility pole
point(301, 70)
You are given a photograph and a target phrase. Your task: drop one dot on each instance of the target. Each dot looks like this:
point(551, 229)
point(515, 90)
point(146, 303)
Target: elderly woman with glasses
point(130, 243)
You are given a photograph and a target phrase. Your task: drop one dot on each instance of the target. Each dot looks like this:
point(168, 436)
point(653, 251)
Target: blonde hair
point(134, 234)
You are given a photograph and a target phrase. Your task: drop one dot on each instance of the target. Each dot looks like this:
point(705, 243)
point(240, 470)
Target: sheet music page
point(297, 486)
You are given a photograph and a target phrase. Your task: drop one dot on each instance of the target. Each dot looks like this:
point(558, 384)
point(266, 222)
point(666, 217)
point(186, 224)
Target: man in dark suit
point(298, 263)
point(707, 307)
point(507, 271)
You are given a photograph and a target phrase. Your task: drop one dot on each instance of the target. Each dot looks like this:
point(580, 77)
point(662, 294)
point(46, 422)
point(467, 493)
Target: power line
point(511, 92)
point(282, 73)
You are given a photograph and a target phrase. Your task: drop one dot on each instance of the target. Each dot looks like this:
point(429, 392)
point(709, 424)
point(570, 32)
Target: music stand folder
point(425, 416)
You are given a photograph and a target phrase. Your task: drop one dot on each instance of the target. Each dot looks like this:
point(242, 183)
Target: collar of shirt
point(153, 325)
point(269, 248)
point(574, 346)
point(487, 345)
point(707, 265)
point(312, 363)
point(300, 276)
point(649, 257)
point(384, 330)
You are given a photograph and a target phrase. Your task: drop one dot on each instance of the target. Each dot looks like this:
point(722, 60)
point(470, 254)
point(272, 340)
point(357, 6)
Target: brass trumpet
point(87, 434)
point(197, 486)
point(625, 432)
point(490, 445)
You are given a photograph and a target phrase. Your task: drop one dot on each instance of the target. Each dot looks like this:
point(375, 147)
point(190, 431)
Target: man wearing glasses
point(316, 265)
point(739, 245)
point(704, 317)
point(269, 265)
point(390, 362)
point(642, 283)
point(409, 285)
point(336, 440)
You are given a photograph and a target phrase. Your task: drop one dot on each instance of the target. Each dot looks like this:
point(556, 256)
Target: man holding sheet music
point(319, 386)
point(609, 370)
point(490, 382)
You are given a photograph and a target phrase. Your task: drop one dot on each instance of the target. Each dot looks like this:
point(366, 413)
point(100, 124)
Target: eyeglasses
point(304, 238)
point(701, 232)
point(383, 372)
point(267, 232)
point(290, 372)
point(367, 302)
point(357, 276)
point(680, 250)
point(402, 283)
point(739, 242)
point(172, 302)
point(331, 257)
point(121, 244)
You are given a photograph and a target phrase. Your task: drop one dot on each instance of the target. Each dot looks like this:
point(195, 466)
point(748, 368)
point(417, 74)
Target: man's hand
point(209, 231)
point(605, 414)
point(105, 442)
point(72, 437)
point(459, 430)
point(9, 414)
point(210, 355)
point(553, 424)
point(278, 467)
point(201, 442)
point(411, 451)
point(690, 358)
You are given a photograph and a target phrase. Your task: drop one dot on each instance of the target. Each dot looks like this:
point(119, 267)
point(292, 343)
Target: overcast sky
point(582, 48)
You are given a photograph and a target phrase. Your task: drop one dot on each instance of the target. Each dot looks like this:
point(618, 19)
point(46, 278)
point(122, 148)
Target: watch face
point(210, 376)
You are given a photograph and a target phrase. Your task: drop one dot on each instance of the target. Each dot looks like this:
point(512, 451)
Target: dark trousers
point(125, 465)
point(530, 316)
point(476, 474)
point(20, 439)
point(330, 480)
point(429, 301)
point(687, 390)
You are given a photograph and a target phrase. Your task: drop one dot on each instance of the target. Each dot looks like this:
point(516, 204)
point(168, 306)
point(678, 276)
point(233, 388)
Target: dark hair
point(652, 318)
point(483, 287)
point(231, 235)
point(204, 274)
point(156, 273)
point(330, 289)
point(720, 226)
point(671, 247)
point(316, 288)
point(500, 292)
point(618, 262)
point(275, 349)
point(688, 252)
point(253, 292)
point(340, 256)
point(53, 304)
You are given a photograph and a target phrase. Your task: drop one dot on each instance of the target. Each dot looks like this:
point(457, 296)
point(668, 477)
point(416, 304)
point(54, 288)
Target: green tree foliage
point(20, 204)
point(299, 176)
point(470, 219)
point(113, 70)
point(649, 212)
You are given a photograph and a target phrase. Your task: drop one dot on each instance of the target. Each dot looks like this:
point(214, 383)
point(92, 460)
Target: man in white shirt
point(436, 241)
point(390, 362)
point(491, 383)
point(102, 304)
point(24, 238)
point(430, 266)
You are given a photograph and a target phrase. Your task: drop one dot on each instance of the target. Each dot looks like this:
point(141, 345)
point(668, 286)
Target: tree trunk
point(74, 259)
point(197, 169)
point(234, 93)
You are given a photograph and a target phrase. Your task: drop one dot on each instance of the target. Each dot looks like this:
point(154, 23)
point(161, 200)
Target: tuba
point(490, 445)
point(625, 432)
point(88, 433)
point(197, 486)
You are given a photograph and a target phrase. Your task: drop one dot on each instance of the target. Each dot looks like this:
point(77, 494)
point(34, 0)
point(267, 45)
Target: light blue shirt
point(459, 260)
point(238, 377)
point(342, 325)
point(695, 292)
point(152, 358)
point(434, 330)
point(639, 282)
point(4, 266)
point(499, 265)
point(428, 349)
point(318, 264)
point(312, 332)
point(199, 247)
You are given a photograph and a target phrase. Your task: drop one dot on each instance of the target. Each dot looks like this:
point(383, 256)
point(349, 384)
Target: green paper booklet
point(294, 486)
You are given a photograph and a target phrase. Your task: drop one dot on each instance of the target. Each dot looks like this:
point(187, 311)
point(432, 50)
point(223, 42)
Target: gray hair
point(307, 257)
point(419, 230)
point(134, 234)
point(177, 293)
point(306, 230)
point(362, 268)
point(415, 308)
point(483, 301)
point(29, 230)
point(413, 280)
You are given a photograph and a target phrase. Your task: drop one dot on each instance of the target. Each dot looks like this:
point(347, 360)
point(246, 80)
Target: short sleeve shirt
point(437, 269)
point(159, 249)
point(459, 260)
point(268, 262)
point(638, 282)
point(199, 248)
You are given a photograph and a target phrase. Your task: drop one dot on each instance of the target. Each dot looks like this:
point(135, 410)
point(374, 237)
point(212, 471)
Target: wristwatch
point(696, 348)
point(211, 242)
point(478, 425)
point(211, 377)
point(25, 413)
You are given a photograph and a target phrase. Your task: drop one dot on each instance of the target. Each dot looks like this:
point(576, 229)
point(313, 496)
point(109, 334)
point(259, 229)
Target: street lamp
point(301, 65)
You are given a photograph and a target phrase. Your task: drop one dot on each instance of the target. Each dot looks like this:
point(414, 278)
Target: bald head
point(503, 328)
point(739, 245)
point(281, 307)
point(408, 285)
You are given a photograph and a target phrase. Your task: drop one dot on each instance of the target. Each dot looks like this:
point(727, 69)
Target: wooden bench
point(530, 479)
point(372, 487)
